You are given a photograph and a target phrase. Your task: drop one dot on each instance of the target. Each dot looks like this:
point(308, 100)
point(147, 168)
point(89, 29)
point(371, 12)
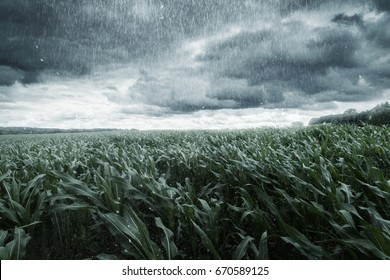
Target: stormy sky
point(190, 63)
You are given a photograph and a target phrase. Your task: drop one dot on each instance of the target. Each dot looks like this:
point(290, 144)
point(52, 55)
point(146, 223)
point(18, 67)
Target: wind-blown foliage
point(320, 192)
point(379, 115)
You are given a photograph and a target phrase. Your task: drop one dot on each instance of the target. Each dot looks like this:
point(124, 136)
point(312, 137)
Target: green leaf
point(131, 234)
point(206, 240)
point(4, 254)
point(377, 219)
point(40, 206)
point(347, 218)
point(5, 175)
point(8, 213)
point(241, 249)
point(17, 247)
point(366, 247)
point(21, 213)
point(32, 189)
point(3, 236)
point(60, 207)
point(122, 226)
point(79, 188)
point(167, 239)
point(379, 238)
point(302, 243)
point(263, 247)
point(376, 190)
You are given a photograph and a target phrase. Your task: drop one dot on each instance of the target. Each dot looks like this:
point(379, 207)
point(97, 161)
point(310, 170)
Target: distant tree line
point(379, 115)
point(34, 130)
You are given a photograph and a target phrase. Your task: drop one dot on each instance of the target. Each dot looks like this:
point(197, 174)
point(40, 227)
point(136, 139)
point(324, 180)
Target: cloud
point(383, 5)
point(287, 6)
point(8, 75)
point(378, 31)
point(348, 20)
point(330, 62)
point(30, 42)
point(287, 63)
point(242, 94)
point(199, 55)
point(290, 6)
point(76, 36)
point(181, 92)
point(257, 67)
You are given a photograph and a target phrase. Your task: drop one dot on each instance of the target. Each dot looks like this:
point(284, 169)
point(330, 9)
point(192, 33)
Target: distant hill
point(379, 115)
point(34, 130)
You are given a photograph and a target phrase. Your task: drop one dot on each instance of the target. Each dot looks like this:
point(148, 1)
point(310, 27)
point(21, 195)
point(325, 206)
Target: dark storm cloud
point(379, 32)
point(267, 63)
point(34, 40)
point(286, 63)
point(287, 6)
point(382, 4)
point(74, 36)
point(8, 75)
point(283, 53)
point(243, 95)
point(344, 19)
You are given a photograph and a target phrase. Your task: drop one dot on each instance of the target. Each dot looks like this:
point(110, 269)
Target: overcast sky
point(183, 64)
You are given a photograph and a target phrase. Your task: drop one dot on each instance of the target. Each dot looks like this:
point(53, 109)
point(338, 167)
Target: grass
point(320, 192)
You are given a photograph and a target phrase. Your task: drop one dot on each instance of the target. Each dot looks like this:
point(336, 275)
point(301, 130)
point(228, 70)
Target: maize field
point(318, 192)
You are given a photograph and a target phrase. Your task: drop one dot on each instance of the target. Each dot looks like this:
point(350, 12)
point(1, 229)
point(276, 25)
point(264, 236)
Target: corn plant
point(320, 192)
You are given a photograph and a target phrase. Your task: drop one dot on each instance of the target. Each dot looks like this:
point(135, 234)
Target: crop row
point(321, 192)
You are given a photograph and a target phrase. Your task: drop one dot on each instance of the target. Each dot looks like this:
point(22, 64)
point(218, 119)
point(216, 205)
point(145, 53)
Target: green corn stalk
point(167, 239)
point(16, 248)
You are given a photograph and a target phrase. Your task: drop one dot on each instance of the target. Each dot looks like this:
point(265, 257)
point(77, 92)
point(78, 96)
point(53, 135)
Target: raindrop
point(36, 46)
point(42, 60)
point(117, 211)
